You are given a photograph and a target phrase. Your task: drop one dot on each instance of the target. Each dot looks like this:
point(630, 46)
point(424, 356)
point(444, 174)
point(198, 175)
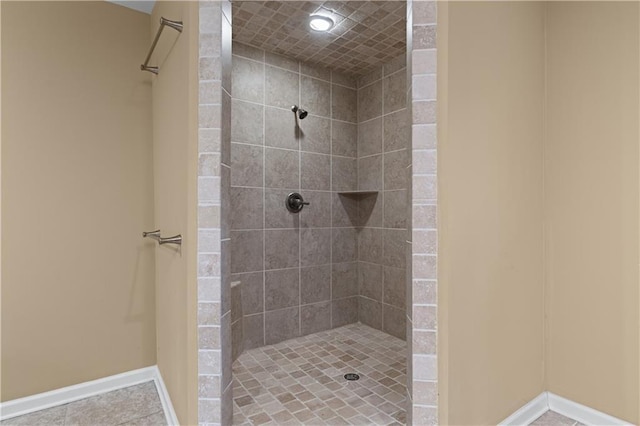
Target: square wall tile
point(315, 318)
point(315, 134)
point(344, 103)
point(396, 175)
point(394, 321)
point(344, 173)
point(395, 209)
point(344, 280)
point(253, 331)
point(315, 284)
point(344, 139)
point(251, 290)
point(280, 130)
point(370, 312)
point(344, 245)
point(246, 122)
point(316, 171)
point(395, 285)
point(370, 102)
point(318, 213)
point(344, 311)
point(370, 280)
point(247, 165)
point(282, 288)
point(315, 246)
point(281, 87)
point(397, 130)
point(370, 245)
point(281, 61)
point(246, 251)
point(394, 247)
point(370, 173)
point(276, 214)
point(424, 37)
point(281, 249)
point(315, 96)
point(281, 325)
point(247, 208)
point(248, 80)
point(281, 168)
point(370, 137)
point(247, 51)
point(395, 92)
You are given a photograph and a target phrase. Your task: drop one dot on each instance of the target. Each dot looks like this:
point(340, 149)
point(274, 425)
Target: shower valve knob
point(295, 202)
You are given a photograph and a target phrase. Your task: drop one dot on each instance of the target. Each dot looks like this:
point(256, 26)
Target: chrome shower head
point(301, 113)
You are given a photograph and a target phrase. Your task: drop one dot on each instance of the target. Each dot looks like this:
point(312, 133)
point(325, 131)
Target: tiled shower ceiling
point(366, 34)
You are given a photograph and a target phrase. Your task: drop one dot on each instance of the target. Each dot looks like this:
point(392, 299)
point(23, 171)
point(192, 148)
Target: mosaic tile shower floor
point(300, 381)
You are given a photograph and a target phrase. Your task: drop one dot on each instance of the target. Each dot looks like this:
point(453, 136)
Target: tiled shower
point(341, 259)
point(284, 277)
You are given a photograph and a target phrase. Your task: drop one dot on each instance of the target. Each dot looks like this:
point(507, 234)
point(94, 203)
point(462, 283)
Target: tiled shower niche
point(342, 259)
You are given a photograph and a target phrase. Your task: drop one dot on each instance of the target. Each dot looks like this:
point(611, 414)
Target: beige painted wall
point(490, 209)
point(77, 190)
point(175, 158)
point(591, 204)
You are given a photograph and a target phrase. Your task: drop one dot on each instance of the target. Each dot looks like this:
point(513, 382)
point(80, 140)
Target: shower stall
point(318, 214)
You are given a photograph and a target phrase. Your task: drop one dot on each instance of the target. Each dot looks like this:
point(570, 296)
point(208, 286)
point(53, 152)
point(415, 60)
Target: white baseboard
point(528, 412)
point(165, 399)
point(41, 401)
point(549, 401)
point(582, 413)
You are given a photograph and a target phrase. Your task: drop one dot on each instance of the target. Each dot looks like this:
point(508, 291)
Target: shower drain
point(351, 376)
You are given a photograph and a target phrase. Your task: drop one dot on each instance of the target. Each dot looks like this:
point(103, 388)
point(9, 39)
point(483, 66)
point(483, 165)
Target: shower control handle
point(295, 202)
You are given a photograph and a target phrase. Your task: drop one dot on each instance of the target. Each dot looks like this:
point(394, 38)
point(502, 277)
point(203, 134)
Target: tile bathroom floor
point(300, 381)
point(137, 405)
point(551, 418)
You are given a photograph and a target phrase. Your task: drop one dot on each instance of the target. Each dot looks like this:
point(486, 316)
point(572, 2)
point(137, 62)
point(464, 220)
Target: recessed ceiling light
point(320, 23)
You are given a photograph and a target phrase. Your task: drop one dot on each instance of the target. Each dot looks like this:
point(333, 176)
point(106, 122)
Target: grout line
point(382, 186)
point(297, 133)
point(383, 76)
point(331, 321)
point(265, 106)
point(290, 150)
point(264, 62)
point(264, 204)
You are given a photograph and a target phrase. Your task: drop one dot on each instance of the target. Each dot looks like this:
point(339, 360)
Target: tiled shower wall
point(215, 404)
point(422, 365)
point(297, 272)
point(383, 158)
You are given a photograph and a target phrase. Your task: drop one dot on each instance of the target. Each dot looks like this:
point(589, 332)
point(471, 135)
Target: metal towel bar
point(155, 235)
point(176, 25)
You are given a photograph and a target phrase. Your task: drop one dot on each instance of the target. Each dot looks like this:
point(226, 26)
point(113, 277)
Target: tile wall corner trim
point(54, 398)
